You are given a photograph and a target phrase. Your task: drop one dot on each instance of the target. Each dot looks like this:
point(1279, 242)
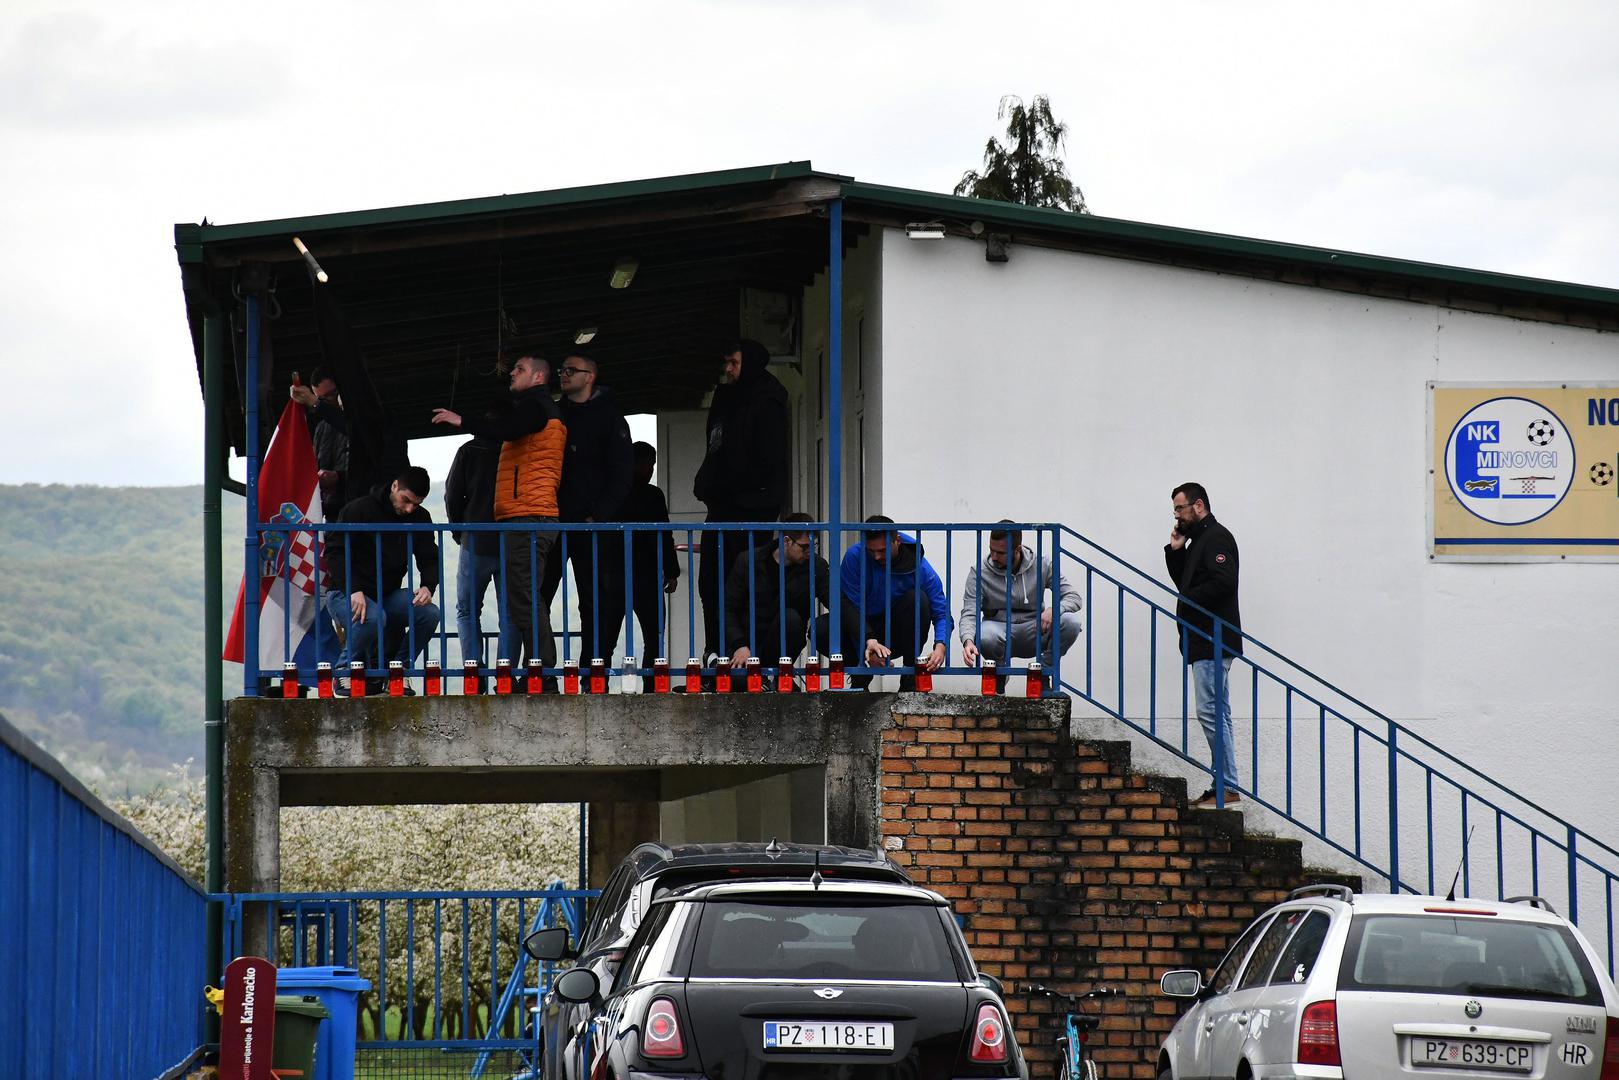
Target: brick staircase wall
point(1068, 868)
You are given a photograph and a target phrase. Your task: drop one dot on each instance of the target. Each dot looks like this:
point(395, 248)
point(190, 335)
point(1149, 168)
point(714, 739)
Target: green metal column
point(215, 353)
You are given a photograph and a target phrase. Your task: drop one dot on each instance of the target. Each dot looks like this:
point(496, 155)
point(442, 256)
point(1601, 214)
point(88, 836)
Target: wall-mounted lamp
point(624, 273)
point(925, 230)
point(583, 337)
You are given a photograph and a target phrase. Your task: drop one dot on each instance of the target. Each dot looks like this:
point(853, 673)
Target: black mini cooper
point(779, 979)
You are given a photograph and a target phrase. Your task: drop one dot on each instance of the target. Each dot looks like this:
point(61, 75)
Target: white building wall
point(1081, 389)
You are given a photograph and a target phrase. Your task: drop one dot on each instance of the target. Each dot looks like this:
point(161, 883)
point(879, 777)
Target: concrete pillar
point(614, 828)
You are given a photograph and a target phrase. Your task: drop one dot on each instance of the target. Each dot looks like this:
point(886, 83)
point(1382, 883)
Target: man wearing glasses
point(1202, 559)
point(597, 471)
point(772, 592)
point(532, 435)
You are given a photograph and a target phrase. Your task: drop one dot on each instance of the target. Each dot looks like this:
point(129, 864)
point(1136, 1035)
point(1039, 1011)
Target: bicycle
point(1073, 1063)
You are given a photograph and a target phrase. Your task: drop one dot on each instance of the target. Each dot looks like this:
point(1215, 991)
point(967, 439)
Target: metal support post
point(250, 561)
point(834, 442)
point(215, 349)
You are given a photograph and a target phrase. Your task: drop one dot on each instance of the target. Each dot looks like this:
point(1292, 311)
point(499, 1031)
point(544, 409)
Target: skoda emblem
point(1472, 1009)
point(830, 992)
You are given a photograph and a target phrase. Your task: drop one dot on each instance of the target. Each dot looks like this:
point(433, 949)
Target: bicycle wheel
point(1064, 1069)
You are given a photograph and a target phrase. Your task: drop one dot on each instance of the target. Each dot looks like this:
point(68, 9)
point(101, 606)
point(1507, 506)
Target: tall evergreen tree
point(1028, 168)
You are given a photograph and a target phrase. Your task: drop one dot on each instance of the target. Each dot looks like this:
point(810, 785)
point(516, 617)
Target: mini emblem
point(1220, 558)
point(1472, 1009)
point(828, 992)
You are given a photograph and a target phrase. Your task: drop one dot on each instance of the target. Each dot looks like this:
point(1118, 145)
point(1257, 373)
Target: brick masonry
point(1070, 869)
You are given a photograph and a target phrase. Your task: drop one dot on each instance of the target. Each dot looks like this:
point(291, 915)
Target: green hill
point(101, 631)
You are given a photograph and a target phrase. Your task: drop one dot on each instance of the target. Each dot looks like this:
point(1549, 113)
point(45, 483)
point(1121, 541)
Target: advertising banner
point(1524, 472)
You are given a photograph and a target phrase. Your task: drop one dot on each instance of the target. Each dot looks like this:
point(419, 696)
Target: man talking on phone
point(1202, 559)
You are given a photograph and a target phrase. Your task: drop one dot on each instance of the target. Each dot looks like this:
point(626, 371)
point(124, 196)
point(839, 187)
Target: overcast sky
point(1480, 134)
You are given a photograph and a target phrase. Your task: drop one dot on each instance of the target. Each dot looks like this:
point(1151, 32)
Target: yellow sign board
point(1524, 472)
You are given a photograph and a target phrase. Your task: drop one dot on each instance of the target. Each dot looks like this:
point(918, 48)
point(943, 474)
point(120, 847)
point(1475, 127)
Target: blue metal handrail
point(1454, 795)
point(352, 929)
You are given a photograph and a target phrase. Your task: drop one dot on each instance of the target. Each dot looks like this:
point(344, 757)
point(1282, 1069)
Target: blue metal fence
point(101, 934)
point(447, 969)
point(1363, 784)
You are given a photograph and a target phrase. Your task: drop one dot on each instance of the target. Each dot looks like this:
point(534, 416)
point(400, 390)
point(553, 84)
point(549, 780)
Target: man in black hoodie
point(597, 467)
point(373, 601)
point(1201, 557)
point(744, 473)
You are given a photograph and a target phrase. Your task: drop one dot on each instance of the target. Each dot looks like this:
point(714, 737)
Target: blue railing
point(671, 556)
point(447, 969)
point(101, 934)
point(1353, 778)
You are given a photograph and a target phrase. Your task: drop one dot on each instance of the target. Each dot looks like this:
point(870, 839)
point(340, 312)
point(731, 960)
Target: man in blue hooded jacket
point(891, 596)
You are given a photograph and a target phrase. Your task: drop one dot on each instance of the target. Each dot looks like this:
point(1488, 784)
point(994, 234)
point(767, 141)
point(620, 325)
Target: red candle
point(1035, 683)
point(598, 676)
point(784, 675)
point(433, 684)
point(756, 679)
point(396, 678)
point(989, 686)
point(660, 675)
point(694, 675)
point(503, 676)
point(722, 676)
point(469, 677)
point(923, 677)
point(570, 676)
point(536, 677)
point(812, 674)
point(834, 674)
point(357, 678)
point(323, 679)
point(289, 680)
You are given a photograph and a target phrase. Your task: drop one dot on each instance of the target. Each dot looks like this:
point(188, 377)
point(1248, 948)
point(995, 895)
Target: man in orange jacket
point(532, 439)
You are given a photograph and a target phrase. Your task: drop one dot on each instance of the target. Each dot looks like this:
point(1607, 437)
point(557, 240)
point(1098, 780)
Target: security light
point(624, 273)
point(583, 337)
point(925, 230)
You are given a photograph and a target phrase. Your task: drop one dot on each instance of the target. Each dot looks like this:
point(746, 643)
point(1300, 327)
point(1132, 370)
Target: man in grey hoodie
point(1019, 592)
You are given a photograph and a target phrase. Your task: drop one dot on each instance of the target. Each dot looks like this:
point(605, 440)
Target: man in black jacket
point(373, 601)
point(1202, 560)
point(597, 467)
point(469, 496)
point(743, 476)
point(649, 579)
point(771, 594)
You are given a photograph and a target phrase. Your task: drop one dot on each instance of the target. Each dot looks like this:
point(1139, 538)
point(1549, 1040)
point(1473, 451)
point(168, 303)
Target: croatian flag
point(289, 494)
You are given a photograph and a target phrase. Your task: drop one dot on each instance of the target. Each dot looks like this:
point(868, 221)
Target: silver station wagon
point(1335, 984)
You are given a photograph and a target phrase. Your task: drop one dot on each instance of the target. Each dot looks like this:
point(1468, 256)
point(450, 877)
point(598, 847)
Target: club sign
point(247, 1026)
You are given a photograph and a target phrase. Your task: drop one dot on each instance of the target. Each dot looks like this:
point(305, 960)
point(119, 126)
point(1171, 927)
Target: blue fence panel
point(447, 970)
point(101, 934)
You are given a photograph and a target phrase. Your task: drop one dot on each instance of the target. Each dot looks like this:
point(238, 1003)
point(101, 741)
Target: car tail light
point(661, 1036)
point(1610, 1052)
point(1318, 1034)
point(989, 1036)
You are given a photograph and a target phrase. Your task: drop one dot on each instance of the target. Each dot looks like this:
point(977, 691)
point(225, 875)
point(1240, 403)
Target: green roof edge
point(1218, 243)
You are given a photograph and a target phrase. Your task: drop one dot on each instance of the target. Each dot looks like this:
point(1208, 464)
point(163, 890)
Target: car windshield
point(1476, 955)
point(761, 939)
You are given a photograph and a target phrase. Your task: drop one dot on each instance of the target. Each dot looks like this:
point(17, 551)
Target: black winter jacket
point(360, 548)
point(598, 464)
point(759, 564)
point(646, 503)
point(469, 492)
point(744, 475)
point(1205, 573)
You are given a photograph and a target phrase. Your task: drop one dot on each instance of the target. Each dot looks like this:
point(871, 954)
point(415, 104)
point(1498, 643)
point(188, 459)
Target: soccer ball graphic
point(1602, 474)
point(1541, 431)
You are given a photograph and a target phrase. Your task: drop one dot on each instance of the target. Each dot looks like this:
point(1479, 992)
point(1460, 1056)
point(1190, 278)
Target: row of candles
point(594, 680)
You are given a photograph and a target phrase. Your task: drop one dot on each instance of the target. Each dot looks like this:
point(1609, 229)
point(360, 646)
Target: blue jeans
point(473, 575)
point(1203, 683)
point(390, 618)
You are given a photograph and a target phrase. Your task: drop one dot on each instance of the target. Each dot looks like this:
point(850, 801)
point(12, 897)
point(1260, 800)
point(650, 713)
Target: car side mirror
point(577, 985)
point(548, 944)
point(1181, 984)
point(993, 983)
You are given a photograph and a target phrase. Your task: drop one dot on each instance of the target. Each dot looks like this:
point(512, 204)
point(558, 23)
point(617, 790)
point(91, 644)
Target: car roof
point(1407, 904)
point(655, 858)
point(839, 891)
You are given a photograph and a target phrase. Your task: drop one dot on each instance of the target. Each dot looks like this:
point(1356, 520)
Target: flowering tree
point(400, 849)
